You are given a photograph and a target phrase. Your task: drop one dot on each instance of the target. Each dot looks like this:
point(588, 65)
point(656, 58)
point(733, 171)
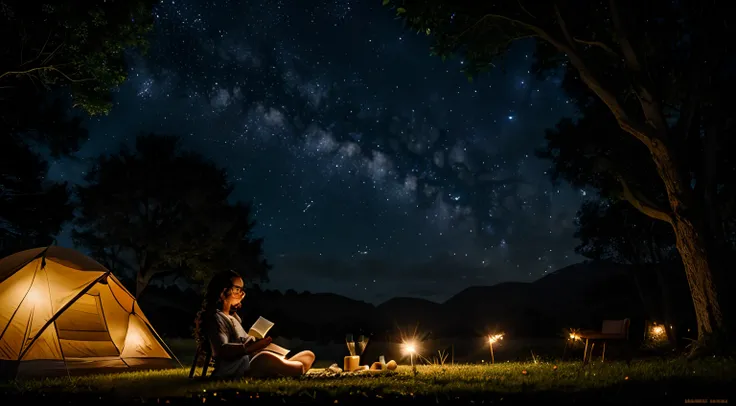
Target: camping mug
point(351, 363)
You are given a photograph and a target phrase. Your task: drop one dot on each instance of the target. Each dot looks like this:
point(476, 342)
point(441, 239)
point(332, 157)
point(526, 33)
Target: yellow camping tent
point(62, 312)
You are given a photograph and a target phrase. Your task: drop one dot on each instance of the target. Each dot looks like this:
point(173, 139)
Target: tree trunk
point(700, 276)
point(141, 282)
point(692, 244)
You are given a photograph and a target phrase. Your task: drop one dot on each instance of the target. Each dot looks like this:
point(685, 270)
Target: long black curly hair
point(212, 302)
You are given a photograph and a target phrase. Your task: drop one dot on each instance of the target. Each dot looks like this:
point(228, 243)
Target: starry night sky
point(376, 170)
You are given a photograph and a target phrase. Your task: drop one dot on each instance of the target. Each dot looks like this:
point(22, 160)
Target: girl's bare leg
point(266, 364)
point(306, 358)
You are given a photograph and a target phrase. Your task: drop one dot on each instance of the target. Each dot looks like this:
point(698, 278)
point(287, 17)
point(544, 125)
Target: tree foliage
point(615, 231)
point(75, 44)
point(159, 211)
point(49, 48)
point(32, 209)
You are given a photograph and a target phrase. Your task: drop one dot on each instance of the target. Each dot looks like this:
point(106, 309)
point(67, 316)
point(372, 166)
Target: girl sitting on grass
point(236, 353)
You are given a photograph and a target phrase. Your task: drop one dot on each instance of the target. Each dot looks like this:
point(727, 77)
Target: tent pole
point(56, 328)
point(62, 310)
point(107, 325)
point(23, 265)
point(158, 337)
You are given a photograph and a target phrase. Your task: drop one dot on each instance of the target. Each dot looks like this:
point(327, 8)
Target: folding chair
point(205, 350)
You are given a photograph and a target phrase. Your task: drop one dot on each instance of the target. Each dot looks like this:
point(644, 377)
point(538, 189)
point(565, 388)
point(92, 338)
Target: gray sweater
point(228, 330)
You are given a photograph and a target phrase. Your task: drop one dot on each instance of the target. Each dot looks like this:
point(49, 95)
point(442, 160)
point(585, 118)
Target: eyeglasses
point(237, 289)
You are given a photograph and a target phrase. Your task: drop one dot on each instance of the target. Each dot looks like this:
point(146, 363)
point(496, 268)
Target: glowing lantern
point(492, 339)
point(410, 347)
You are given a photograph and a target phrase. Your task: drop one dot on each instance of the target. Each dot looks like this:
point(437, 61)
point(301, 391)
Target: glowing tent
point(62, 312)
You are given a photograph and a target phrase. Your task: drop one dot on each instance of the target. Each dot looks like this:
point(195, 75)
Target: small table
point(611, 330)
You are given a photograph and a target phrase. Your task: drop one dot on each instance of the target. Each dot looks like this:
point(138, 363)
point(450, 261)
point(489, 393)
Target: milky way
point(376, 170)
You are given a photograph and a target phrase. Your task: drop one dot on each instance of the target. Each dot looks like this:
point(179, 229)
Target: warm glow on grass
point(444, 382)
point(656, 335)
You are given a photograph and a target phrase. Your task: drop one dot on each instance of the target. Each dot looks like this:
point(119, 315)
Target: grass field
point(673, 380)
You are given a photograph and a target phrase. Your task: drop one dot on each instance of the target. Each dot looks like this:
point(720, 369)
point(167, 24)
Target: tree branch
point(71, 79)
point(524, 9)
point(641, 203)
point(650, 105)
point(629, 55)
point(563, 27)
point(39, 52)
point(467, 30)
point(51, 55)
point(599, 44)
point(44, 68)
point(640, 131)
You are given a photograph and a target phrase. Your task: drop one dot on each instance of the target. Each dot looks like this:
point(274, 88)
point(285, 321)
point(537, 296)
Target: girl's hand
point(257, 345)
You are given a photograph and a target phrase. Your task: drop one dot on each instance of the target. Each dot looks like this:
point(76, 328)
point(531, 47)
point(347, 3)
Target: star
point(366, 158)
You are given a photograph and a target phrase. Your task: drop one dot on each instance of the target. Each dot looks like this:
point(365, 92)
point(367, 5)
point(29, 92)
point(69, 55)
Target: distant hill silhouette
point(407, 312)
point(580, 295)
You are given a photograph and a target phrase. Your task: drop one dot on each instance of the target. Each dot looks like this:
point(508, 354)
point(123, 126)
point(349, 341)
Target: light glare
point(410, 347)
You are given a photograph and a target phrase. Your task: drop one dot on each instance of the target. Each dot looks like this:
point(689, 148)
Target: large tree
point(32, 209)
point(657, 68)
point(160, 210)
point(50, 50)
point(79, 45)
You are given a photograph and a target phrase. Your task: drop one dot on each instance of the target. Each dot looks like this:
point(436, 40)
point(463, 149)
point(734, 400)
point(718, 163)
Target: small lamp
point(410, 347)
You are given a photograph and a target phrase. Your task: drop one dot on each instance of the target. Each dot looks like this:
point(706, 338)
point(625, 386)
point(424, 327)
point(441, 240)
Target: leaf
point(400, 10)
point(385, 2)
point(428, 31)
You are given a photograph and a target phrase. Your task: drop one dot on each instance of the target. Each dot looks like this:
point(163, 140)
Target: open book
point(275, 349)
point(258, 330)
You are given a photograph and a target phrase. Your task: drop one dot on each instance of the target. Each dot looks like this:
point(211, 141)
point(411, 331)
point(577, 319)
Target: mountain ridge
point(579, 295)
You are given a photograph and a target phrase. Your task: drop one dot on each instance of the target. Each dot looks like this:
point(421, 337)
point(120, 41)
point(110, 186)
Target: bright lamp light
point(410, 348)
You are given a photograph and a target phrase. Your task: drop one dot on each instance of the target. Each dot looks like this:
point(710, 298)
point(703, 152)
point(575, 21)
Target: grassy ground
point(674, 380)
